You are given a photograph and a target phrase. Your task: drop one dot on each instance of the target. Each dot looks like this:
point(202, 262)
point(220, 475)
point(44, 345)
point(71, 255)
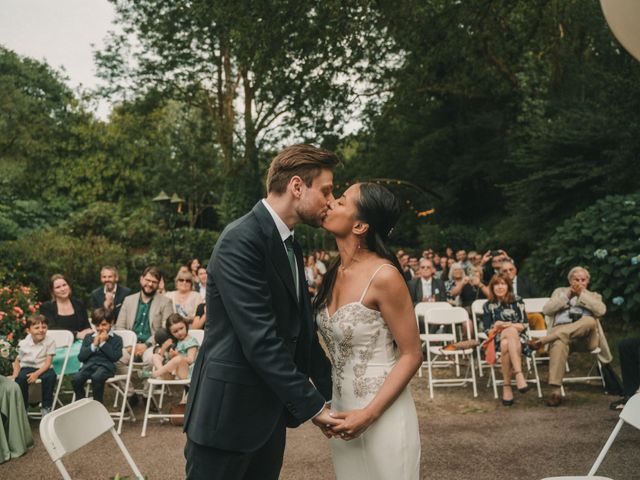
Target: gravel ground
point(462, 438)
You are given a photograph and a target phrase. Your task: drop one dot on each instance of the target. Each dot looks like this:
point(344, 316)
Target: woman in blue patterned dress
point(504, 313)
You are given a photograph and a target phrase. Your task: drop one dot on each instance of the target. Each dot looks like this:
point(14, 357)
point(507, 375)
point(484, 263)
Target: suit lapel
point(278, 254)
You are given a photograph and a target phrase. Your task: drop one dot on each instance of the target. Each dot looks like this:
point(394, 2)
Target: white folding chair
point(129, 340)
point(476, 311)
point(421, 309)
point(158, 382)
point(631, 415)
point(452, 318)
point(75, 425)
point(63, 339)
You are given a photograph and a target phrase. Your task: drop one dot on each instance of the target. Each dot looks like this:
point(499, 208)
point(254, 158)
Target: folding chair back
point(75, 425)
point(62, 339)
point(198, 334)
point(451, 317)
point(476, 313)
point(420, 310)
point(535, 305)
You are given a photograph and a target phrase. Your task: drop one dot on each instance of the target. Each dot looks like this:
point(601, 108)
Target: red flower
point(32, 309)
point(18, 310)
point(10, 336)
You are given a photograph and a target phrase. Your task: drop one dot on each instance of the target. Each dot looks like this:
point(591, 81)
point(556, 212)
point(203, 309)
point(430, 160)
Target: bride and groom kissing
point(261, 367)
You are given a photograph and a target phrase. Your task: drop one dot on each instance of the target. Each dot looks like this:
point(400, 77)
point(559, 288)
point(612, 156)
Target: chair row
point(449, 320)
point(120, 382)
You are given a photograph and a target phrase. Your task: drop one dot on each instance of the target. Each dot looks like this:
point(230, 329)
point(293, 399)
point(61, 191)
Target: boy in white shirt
point(35, 356)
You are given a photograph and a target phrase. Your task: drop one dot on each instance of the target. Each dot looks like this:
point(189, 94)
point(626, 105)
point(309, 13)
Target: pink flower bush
point(14, 302)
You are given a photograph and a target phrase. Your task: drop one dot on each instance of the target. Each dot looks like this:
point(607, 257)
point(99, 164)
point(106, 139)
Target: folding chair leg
point(493, 381)
point(146, 412)
point(62, 470)
point(125, 452)
point(430, 373)
point(537, 378)
point(161, 396)
point(606, 448)
point(473, 375)
point(479, 362)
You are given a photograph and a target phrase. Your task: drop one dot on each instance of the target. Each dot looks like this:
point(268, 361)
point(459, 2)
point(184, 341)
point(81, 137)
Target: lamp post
point(171, 206)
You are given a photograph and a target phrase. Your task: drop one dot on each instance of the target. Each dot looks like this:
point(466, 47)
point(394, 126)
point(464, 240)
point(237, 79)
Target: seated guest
point(461, 258)
point(194, 265)
point(576, 312)
point(629, 349)
point(34, 361)
point(442, 269)
point(15, 431)
point(413, 265)
point(201, 287)
point(463, 290)
point(407, 273)
point(110, 295)
point(200, 317)
point(523, 288)
point(99, 353)
point(64, 312)
point(176, 355)
point(491, 262)
point(185, 300)
point(144, 312)
point(426, 288)
point(504, 316)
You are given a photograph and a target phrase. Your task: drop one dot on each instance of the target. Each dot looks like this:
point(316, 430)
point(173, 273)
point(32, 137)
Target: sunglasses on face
point(184, 280)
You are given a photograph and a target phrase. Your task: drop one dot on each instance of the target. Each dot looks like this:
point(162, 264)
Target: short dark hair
point(35, 319)
point(305, 161)
point(153, 271)
point(101, 314)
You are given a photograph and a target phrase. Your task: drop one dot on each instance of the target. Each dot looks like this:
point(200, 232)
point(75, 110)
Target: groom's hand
point(325, 422)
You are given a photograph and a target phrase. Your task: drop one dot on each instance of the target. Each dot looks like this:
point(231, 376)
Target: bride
point(365, 315)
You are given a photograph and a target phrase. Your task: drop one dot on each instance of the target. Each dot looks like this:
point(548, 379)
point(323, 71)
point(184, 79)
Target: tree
point(253, 68)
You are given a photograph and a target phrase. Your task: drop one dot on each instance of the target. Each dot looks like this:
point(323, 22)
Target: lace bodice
point(361, 349)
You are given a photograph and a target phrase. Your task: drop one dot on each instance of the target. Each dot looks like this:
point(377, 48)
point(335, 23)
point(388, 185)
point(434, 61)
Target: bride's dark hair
point(379, 208)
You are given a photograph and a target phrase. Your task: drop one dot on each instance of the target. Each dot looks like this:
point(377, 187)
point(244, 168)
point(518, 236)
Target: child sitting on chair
point(99, 353)
point(174, 358)
point(35, 355)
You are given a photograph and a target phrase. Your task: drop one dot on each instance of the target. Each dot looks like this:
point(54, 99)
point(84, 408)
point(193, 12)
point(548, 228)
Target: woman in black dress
point(63, 311)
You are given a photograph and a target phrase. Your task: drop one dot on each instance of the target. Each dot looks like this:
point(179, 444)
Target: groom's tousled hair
point(305, 161)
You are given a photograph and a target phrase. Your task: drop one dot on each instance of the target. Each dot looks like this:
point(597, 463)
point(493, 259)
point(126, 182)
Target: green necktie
point(292, 262)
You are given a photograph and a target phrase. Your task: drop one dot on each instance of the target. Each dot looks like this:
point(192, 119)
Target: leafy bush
point(604, 238)
point(439, 237)
point(33, 258)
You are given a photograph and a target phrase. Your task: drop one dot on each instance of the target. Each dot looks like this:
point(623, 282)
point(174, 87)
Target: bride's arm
point(389, 291)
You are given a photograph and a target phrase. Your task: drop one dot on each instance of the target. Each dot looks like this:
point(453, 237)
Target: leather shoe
point(554, 400)
point(507, 403)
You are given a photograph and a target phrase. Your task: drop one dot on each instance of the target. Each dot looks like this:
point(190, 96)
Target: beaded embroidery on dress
point(362, 354)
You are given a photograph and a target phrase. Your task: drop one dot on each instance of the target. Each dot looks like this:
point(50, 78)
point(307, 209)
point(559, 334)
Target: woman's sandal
point(524, 389)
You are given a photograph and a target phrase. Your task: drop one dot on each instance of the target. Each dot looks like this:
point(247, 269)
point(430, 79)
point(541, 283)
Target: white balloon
point(623, 17)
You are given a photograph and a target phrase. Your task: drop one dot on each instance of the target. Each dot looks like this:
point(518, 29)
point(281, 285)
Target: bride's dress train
point(362, 352)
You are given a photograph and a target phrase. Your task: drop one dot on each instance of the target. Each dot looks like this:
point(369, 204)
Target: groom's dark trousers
point(252, 374)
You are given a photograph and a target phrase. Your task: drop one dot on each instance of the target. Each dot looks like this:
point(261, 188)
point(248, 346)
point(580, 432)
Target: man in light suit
point(144, 312)
point(576, 314)
point(252, 376)
point(110, 295)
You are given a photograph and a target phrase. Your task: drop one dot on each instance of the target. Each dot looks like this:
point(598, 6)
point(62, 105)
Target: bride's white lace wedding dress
point(362, 354)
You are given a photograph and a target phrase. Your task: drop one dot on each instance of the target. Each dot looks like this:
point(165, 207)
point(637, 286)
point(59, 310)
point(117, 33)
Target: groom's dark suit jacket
point(260, 346)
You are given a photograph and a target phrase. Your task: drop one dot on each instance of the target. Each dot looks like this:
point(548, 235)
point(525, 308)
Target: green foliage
point(439, 237)
point(33, 258)
point(189, 243)
point(604, 238)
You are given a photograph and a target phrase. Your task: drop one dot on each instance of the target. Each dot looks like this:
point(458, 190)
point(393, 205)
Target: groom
point(252, 374)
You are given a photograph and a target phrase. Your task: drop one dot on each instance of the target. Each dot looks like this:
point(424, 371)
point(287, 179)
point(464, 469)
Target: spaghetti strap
point(371, 280)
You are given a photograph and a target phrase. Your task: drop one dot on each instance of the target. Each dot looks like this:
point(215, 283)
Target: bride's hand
point(324, 421)
point(355, 422)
